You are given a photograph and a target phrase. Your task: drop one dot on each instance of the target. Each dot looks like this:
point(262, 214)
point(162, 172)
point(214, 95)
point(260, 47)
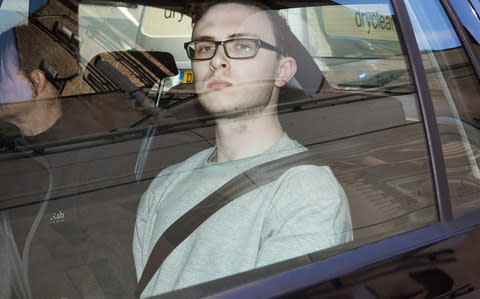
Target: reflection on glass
point(455, 90)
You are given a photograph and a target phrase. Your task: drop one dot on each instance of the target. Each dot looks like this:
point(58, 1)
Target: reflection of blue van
point(386, 97)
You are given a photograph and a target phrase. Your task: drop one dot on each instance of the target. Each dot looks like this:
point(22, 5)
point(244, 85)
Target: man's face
point(14, 86)
point(235, 86)
point(15, 92)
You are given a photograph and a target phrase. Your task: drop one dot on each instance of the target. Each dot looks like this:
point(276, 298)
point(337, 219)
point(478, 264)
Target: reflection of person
point(28, 99)
point(239, 66)
point(30, 86)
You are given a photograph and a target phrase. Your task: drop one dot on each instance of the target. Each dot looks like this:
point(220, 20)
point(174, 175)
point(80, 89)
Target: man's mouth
point(218, 84)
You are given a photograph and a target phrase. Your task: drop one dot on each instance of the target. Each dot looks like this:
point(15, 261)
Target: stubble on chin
point(244, 100)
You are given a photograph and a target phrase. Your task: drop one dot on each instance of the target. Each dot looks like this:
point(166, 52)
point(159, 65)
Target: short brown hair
point(279, 25)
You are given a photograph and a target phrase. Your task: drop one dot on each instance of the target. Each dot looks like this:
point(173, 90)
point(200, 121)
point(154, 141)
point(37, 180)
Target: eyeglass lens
point(235, 48)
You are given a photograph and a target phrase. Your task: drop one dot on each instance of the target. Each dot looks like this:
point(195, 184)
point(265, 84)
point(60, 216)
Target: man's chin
point(218, 99)
point(217, 92)
point(226, 111)
point(234, 101)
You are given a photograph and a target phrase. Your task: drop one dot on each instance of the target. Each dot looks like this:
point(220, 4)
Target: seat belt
point(234, 188)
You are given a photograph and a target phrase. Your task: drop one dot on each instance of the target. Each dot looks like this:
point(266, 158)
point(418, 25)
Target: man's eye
point(204, 48)
point(243, 47)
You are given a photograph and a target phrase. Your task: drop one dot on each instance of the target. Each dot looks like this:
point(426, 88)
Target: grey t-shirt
point(304, 210)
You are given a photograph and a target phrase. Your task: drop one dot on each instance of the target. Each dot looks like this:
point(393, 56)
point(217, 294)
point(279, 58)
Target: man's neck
point(38, 117)
point(246, 136)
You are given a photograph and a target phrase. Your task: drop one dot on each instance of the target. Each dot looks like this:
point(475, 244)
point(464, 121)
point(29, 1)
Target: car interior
point(356, 112)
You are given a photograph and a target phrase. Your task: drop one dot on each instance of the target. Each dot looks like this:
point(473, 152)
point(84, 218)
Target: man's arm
point(310, 212)
point(139, 232)
point(142, 234)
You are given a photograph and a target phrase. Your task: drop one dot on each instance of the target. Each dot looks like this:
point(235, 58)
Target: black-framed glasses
point(237, 48)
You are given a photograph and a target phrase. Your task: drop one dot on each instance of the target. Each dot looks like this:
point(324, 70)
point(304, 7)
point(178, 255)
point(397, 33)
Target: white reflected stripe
point(126, 13)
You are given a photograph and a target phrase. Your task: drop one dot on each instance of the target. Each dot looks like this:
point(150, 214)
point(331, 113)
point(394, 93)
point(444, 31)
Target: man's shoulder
point(192, 161)
point(186, 165)
point(287, 143)
point(307, 173)
point(310, 186)
point(306, 180)
point(282, 149)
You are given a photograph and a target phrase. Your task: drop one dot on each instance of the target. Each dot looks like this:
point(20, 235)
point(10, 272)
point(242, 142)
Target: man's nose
point(220, 59)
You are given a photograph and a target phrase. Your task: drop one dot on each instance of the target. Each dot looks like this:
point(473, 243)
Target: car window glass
point(467, 12)
point(454, 88)
point(350, 56)
point(70, 197)
point(439, 33)
point(476, 6)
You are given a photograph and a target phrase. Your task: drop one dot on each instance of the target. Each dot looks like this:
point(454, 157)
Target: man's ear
point(287, 67)
point(38, 80)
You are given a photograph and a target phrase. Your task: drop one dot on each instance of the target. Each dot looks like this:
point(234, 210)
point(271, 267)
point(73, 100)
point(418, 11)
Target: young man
point(239, 66)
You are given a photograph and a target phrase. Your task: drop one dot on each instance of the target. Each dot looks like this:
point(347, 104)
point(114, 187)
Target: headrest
point(308, 75)
point(142, 68)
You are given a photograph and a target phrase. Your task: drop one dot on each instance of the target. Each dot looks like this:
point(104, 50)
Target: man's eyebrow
point(203, 37)
point(233, 35)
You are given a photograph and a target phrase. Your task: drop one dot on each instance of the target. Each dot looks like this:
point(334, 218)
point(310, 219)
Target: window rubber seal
point(434, 145)
point(462, 34)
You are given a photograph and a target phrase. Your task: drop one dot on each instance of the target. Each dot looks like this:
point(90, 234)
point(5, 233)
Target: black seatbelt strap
point(236, 187)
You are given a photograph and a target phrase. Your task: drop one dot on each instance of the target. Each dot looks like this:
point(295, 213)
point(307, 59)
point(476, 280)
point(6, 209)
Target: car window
point(360, 59)
point(454, 87)
point(468, 13)
point(123, 112)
